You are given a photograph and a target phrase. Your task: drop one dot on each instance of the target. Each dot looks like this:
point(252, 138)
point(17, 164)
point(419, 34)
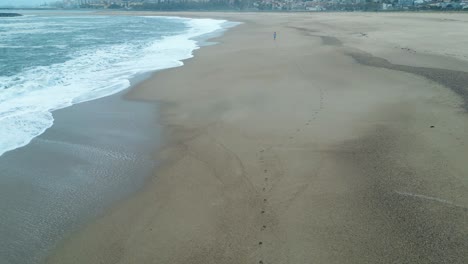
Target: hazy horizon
point(22, 2)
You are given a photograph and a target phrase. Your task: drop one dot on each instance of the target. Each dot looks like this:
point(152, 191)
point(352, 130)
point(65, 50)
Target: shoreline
point(272, 157)
point(116, 71)
point(88, 168)
point(67, 141)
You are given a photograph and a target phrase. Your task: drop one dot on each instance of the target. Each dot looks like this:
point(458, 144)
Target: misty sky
point(22, 2)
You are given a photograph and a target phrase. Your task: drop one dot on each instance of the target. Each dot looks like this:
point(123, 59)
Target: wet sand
point(96, 154)
point(343, 141)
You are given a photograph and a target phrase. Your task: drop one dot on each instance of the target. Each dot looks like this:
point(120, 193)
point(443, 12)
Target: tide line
point(435, 199)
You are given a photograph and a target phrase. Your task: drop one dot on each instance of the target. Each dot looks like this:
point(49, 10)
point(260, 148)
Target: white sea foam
point(28, 99)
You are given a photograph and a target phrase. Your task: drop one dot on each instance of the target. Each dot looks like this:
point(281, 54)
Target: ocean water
point(48, 62)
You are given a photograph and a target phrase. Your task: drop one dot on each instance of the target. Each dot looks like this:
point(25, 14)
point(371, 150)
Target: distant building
point(387, 6)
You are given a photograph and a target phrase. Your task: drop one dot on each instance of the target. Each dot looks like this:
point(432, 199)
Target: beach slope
point(343, 141)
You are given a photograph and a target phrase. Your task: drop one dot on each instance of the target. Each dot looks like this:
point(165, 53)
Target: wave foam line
point(28, 99)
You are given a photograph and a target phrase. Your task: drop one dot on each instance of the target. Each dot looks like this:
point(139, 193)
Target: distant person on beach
point(274, 35)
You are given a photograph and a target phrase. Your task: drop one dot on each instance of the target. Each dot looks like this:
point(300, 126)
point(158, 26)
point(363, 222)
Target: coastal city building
point(278, 5)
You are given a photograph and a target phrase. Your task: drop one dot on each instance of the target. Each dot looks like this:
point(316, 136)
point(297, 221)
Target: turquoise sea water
point(48, 62)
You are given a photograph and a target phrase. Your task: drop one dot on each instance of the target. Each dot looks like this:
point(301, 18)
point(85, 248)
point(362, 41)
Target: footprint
point(260, 243)
point(265, 171)
point(263, 189)
point(264, 200)
point(262, 212)
point(260, 262)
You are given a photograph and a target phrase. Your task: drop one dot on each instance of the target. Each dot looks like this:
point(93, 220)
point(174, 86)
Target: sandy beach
point(343, 141)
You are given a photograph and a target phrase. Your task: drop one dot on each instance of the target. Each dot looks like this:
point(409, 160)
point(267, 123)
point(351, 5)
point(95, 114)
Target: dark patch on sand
point(305, 31)
point(396, 227)
point(331, 41)
point(457, 81)
point(326, 40)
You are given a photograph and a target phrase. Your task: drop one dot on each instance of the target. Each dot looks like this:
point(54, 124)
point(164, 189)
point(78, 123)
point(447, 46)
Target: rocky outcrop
point(9, 15)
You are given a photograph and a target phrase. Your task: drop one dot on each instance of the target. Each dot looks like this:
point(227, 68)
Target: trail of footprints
point(262, 159)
